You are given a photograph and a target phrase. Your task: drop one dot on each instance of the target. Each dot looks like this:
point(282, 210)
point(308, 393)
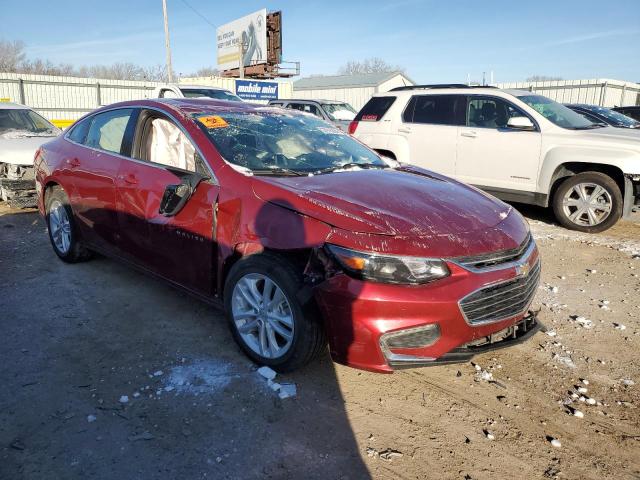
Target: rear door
point(91, 166)
point(180, 248)
point(492, 155)
point(430, 125)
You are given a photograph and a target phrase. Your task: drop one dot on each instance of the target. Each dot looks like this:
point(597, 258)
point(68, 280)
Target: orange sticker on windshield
point(213, 121)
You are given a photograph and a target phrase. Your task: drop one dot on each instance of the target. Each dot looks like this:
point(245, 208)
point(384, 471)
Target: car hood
point(21, 150)
point(629, 137)
point(405, 202)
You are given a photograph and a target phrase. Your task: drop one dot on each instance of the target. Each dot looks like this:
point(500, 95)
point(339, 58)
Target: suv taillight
point(352, 127)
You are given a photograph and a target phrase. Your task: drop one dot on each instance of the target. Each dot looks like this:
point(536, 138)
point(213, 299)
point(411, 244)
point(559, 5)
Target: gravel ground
point(106, 373)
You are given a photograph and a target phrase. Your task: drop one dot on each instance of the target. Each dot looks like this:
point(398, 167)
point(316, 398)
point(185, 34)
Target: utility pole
point(166, 41)
point(241, 59)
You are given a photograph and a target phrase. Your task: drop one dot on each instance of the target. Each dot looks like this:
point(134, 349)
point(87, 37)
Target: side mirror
point(520, 123)
point(175, 197)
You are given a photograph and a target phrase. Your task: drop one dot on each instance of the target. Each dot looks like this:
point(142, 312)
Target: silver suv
point(333, 111)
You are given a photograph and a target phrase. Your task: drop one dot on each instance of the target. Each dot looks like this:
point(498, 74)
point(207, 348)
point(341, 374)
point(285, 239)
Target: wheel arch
point(570, 169)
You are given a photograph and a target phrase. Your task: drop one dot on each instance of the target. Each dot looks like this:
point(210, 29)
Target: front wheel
point(267, 318)
point(589, 202)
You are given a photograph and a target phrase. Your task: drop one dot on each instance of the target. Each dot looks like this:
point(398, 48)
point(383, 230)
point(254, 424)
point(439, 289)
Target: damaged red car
point(303, 235)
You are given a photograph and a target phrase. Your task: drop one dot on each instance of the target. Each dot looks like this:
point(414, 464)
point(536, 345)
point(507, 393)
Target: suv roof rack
point(438, 85)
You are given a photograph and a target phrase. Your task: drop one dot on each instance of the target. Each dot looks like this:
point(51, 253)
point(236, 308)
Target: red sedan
point(304, 235)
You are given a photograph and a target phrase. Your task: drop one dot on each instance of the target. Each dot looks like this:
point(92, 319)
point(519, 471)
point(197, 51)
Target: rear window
point(436, 109)
point(375, 109)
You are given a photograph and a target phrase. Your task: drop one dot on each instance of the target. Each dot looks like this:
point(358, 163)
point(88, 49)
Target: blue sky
point(434, 41)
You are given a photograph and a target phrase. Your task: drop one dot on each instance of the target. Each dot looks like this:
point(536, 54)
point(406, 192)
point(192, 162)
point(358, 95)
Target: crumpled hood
point(407, 202)
point(20, 151)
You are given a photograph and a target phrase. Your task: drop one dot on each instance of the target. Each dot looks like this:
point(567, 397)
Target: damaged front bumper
point(631, 201)
point(18, 186)
point(510, 336)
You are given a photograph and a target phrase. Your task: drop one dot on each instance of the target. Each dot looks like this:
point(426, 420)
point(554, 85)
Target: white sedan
point(22, 131)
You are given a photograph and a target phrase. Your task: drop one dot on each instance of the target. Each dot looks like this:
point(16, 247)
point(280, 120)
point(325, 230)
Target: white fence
point(68, 98)
point(601, 91)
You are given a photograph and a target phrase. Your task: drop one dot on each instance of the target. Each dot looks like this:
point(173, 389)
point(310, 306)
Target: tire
point(307, 336)
point(567, 201)
point(63, 232)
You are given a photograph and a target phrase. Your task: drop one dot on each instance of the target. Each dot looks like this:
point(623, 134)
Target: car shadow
point(79, 338)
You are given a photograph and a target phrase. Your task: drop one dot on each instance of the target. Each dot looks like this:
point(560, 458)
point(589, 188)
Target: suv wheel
point(62, 231)
point(267, 319)
point(588, 202)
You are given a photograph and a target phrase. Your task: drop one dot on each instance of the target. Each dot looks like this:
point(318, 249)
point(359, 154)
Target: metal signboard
point(251, 32)
point(252, 90)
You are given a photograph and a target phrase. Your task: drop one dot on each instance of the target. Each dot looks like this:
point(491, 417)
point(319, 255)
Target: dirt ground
point(106, 373)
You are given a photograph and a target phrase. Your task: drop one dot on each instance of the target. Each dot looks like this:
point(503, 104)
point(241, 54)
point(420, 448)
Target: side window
point(164, 143)
point(107, 130)
point(276, 104)
point(306, 107)
point(435, 109)
point(491, 112)
point(375, 109)
point(79, 131)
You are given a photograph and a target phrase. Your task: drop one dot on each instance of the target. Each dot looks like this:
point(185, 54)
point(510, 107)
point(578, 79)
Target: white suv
point(514, 144)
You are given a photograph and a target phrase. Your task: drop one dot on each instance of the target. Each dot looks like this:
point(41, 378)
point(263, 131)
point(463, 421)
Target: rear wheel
point(588, 202)
point(62, 231)
point(267, 319)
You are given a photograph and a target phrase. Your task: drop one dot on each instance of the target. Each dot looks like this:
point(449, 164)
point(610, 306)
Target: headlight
point(389, 268)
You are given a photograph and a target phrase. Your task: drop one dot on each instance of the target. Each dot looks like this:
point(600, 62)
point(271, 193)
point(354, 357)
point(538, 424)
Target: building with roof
point(353, 89)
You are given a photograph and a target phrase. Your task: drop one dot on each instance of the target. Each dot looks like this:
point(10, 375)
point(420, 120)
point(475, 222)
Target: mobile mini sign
point(251, 90)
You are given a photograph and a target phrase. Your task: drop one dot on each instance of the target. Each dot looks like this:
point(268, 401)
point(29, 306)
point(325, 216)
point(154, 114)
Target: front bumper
point(359, 313)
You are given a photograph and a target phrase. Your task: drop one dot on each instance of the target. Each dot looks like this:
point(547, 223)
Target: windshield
point(612, 116)
point(210, 93)
point(24, 123)
point(274, 142)
point(339, 111)
point(557, 113)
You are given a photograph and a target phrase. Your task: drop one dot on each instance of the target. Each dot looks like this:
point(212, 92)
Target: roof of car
point(12, 106)
point(317, 100)
point(199, 87)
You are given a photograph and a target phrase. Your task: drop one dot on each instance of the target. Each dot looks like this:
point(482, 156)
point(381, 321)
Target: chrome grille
point(503, 300)
point(488, 260)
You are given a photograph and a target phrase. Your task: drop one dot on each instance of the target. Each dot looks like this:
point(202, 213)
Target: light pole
point(166, 41)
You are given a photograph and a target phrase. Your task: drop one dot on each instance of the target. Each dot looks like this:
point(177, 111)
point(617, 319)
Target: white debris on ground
point(124, 399)
point(542, 230)
point(555, 443)
point(200, 377)
point(388, 454)
point(284, 390)
point(91, 418)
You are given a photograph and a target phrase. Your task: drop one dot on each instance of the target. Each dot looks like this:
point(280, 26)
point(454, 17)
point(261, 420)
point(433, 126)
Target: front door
point(492, 155)
point(180, 248)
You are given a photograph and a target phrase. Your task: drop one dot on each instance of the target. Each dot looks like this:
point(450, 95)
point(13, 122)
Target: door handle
point(469, 134)
point(404, 130)
point(73, 162)
point(130, 178)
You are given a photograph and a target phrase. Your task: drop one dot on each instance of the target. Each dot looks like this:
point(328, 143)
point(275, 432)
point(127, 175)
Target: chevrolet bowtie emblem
point(523, 269)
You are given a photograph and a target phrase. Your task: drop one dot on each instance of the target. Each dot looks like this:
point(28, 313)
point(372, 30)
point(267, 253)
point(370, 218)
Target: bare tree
point(368, 65)
point(12, 55)
point(542, 78)
point(205, 72)
point(13, 59)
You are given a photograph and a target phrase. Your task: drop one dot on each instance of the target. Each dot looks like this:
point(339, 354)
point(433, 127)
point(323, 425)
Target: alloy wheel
point(60, 227)
point(262, 315)
point(587, 204)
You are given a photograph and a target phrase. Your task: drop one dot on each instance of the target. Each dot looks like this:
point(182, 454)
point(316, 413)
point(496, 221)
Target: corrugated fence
point(64, 99)
point(600, 91)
